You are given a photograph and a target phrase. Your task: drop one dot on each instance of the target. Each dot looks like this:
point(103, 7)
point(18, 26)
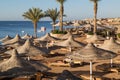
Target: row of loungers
point(65, 64)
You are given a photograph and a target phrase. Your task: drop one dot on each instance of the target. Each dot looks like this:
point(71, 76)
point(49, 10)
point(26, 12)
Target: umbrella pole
point(70, 49)
point(111, 62)
point(90, 70)
point(28, 58)
point(47, 45)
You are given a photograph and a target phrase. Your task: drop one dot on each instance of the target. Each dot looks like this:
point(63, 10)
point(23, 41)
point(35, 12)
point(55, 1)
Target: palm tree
point(95, 14)
point(53, 14)
point(34, 14)
point(61, 13)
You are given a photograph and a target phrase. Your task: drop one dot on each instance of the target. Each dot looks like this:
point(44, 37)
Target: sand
point(78, 70)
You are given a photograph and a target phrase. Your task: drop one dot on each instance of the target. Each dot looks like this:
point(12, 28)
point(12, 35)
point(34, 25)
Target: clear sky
point(74, 9)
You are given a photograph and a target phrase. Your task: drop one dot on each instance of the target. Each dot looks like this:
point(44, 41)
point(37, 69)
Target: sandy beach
point(57, 64)
point(81, 70)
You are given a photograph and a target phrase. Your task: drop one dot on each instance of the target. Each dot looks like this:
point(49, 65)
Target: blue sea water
point(12, 28)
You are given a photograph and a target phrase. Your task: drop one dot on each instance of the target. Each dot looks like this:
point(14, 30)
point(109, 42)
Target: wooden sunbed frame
point(60, 64)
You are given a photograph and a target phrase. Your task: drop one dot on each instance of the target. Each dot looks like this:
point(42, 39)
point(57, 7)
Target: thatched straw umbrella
point(88, 27)
point(16, 66)
point(58, 24)
point(5, 38)
point(39, 66)
point(91, 53)
point(110, 45)
point(26, 36)
point(70, 42)
point(76, 24)
point(30, 50)
point(17, 38)
point(15, 45)
point(47, 38)
point(94, 38)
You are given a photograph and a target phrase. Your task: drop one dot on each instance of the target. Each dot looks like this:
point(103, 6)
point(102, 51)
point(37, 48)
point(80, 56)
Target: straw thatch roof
point(110, 45)
point(26, 36)
point(39, 66)
point(15, 62)
point(58, 24)
point(66, 36)
point(18, 66)
point(70, 42)
point(15, 45)
point(47, 37)
point(88, 27)
point(5, 38)
point(17, 38)
point(90, 52)
point(67, 75)
point(94, 38)
point(29, 49)
point(76, 24)
point(99, 26)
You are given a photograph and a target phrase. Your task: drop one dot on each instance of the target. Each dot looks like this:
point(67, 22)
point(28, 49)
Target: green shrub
point(59, 32)
point(90, 33)
point(100, 32)
point(103, 33)
point(118, 35)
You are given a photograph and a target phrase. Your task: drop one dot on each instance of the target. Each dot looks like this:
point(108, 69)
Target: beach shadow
point(83, 64)
point(55, 47)
point(87, 73)
point(49, 75)
point(56, 54)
